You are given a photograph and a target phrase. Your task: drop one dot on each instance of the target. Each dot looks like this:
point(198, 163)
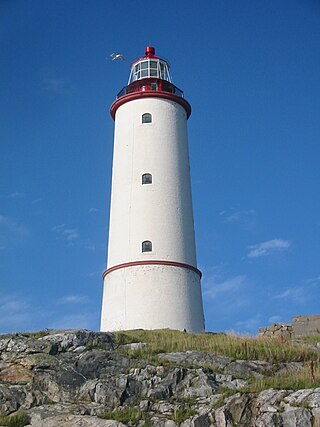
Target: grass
point(227, 392)
point(236, 347)
point(312, 339)
point(308, 377)
point(127, 414)
point(35, 335)
point(304, 405)
point(95, 346)
point(18, 419)
point(132, 415)
point(181, 414)
point(218, 403)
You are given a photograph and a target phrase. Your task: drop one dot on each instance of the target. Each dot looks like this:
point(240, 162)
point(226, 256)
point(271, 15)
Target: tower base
point(152, 297)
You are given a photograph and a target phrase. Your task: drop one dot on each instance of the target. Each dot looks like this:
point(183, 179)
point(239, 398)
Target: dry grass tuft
point(308, 377)
point(236, 347)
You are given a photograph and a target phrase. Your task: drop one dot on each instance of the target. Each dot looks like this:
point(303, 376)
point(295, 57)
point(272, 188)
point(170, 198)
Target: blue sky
point(250, 70)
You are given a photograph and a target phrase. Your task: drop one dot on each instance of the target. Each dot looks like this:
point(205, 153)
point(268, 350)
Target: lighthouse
point(152, 280)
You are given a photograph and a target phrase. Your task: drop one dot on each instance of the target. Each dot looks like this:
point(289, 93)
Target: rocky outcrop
point(69, 378)
point(301, 326)
point(304, 326)
point(278, 331)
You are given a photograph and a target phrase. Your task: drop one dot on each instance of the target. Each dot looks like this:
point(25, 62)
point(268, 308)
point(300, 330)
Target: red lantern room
point(150, 76)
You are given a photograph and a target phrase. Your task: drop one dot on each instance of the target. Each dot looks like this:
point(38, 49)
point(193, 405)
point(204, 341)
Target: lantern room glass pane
point(150, 68)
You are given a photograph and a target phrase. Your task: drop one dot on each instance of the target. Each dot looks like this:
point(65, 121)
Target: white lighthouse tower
point(152, 280)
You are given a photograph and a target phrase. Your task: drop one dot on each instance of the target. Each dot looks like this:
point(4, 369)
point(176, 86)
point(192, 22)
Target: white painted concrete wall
point(152, 297)
point(160, 212)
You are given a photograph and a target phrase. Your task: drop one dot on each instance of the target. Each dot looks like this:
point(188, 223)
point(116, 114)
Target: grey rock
point(297, 417)
point(69, 377)
point(316, 417)
point(38, 361)
point(71, 339)
point(11, 398)
point(287, 367)
point(239, 409)
point(203, 420)
point(106, 393)
point(269, 400)
point(80, 349)
point(309, 397)
point(246, 368)
point(160, 393)
point(196, 358)
point(42, 412)
point(101, 363)
point(161, 422)
point(223, 418)
point(144, 405)
point(134, 346)
point(223, 364)
point(4, 343)
point(76, 421)
point(163, 407)
point(269, 420)
point(18, 344)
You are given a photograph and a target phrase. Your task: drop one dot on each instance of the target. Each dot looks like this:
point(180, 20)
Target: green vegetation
point(35, 335)
point(218, 403)
point(182, 414)
point(308, 377)
point(90, 346)
point(132, 415)
point(236, 347)
point(125, 414)
point(227, 392)
point(122, 338)
point(312, 339)
point(187, 401)
point(304, 405)
point(18, 419)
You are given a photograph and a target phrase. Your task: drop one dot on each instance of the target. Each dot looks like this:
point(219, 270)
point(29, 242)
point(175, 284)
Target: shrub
point(19, 419)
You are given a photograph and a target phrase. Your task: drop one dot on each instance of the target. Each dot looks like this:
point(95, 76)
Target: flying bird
point(117, 56)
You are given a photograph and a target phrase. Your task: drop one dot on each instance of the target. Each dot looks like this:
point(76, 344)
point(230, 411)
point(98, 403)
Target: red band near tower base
point(152, 262)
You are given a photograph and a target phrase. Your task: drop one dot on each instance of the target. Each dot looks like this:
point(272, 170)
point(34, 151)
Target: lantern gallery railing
point(151, 84)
